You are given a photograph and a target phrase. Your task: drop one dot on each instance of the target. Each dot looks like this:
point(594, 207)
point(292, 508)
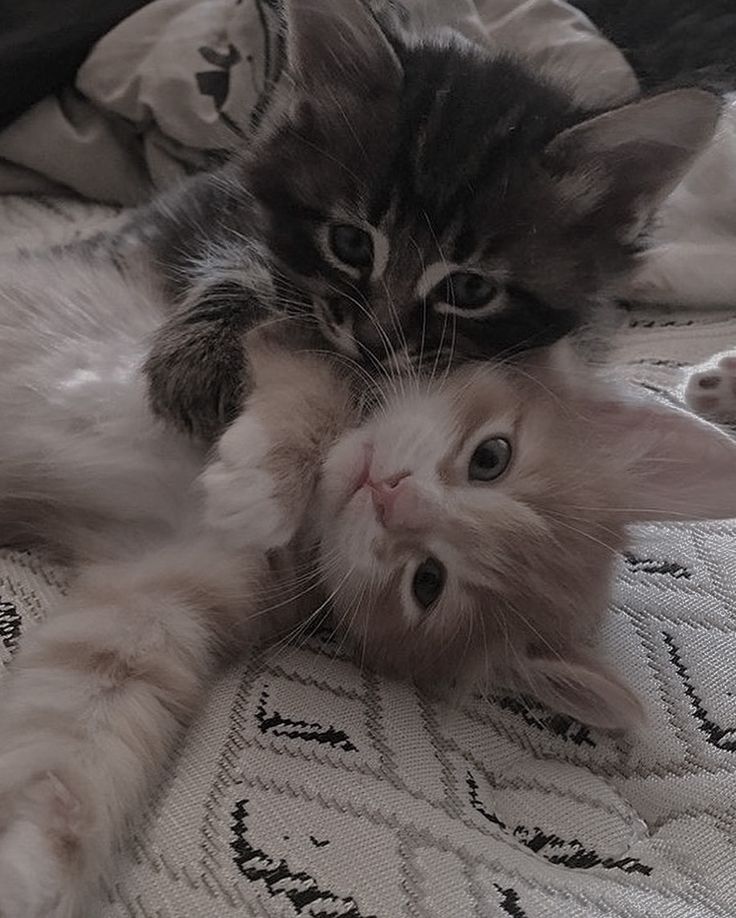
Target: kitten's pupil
point(469, 291)
point(490, 460)
point(351, 245)
point(429, 579)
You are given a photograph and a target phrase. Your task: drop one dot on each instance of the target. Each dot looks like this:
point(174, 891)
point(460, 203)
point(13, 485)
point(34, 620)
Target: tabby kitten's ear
point(628, 160)
point(340, 43)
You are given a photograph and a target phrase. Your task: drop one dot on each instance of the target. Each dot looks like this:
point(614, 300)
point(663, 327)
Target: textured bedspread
point(309, 790)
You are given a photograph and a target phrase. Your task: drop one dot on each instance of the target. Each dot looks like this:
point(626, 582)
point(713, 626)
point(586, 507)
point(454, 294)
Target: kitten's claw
point(242, 499)
point(711, 391)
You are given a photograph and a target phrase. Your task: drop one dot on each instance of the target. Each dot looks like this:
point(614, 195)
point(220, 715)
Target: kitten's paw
point(40, 854)
point(31, 874)
point(711, 391)
point(242, 497)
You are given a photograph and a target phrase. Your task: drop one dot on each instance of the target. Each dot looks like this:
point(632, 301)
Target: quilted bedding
point(309, 790)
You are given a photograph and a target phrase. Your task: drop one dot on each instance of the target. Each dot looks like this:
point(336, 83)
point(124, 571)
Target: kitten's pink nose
point(389, 495)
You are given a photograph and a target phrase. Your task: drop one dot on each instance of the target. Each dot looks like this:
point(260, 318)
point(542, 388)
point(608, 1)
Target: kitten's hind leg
point(711, 390)
point(91, 708)
point(685, 274)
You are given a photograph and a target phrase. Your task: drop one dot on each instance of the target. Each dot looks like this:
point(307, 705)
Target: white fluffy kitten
point(692, 257)
point(466, 531)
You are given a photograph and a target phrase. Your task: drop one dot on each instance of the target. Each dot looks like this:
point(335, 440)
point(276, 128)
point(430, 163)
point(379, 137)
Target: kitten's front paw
point(31, 881)
point(711, 391)
point(242, 496)
point(41, 872)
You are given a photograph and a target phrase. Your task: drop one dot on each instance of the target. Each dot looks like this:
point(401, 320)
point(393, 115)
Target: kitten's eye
point(351, 245)
point(469, 291)
point(428, 582)
point(490, 460)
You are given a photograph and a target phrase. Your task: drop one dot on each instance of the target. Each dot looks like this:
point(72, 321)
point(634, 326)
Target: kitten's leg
point(258, 488)
point(685, 274)
point(91, 708)
point(196, 368)
point(711, 390)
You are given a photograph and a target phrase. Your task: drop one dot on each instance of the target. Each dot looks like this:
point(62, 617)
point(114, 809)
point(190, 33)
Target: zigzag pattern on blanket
point(309, 788)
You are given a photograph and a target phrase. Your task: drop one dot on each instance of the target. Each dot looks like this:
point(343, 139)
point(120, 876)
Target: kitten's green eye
point(490, 460)
point(469, 291)
point(428, 582)
point(351, 245)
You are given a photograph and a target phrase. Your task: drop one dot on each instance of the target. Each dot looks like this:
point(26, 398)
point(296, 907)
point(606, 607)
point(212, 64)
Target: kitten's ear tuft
point(636, 155)
point(339, 43)
point(584, 689)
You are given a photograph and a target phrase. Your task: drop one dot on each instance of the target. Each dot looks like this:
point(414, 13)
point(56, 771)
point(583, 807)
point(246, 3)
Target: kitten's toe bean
point(242, 499)
point(711, 391)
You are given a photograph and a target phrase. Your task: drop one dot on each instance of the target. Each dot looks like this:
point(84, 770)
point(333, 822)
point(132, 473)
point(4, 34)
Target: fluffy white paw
point(711, 391)
point(241, 495)
point(42, 852)
point(32, 881)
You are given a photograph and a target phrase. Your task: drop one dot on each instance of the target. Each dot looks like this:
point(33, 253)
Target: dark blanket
point(44, 42)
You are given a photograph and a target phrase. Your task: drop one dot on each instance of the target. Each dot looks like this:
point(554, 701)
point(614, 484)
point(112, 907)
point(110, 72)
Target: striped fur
point(453, 159)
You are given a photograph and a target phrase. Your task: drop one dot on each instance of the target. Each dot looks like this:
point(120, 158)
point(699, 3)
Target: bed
point(309, 790)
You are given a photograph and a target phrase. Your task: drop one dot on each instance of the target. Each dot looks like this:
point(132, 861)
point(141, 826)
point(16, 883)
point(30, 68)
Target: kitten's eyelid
point(379, 240)
point(495, 304)
point(434, 274)
point(440, 272)
point(413, 613)
point(323, 236)
point(505, 427)
point(381, 251)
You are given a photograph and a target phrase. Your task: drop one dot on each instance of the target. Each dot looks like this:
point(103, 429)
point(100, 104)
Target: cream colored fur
point(184, 559)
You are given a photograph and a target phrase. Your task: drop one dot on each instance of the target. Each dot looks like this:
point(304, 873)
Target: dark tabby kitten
point(415, 197)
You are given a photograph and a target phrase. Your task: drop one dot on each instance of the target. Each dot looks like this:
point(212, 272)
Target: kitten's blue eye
point(351, 245)
point(490, 460)
point(469, 291)
point(428, 582)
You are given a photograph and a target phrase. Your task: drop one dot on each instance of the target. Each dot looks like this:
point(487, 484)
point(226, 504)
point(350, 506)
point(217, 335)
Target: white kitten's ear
point(584, 689)
point(631, 158)
point(677, 465)
point(339, 43)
